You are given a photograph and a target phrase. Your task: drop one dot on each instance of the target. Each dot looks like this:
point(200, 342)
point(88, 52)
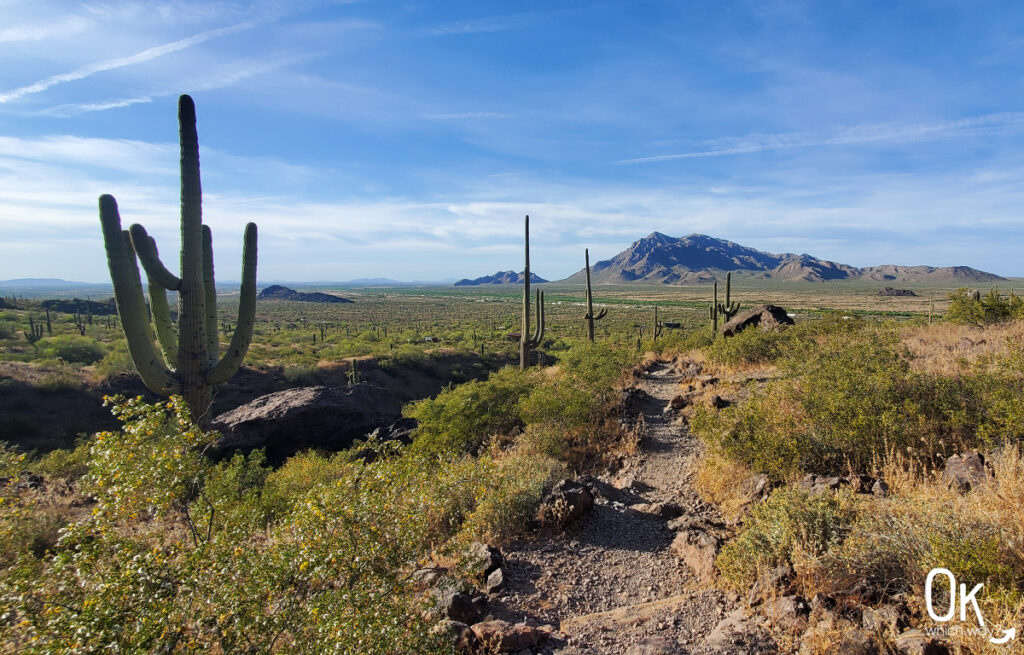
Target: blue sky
point(407, 139)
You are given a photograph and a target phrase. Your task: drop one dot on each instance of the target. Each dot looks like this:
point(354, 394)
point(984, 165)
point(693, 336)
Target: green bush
point(791, 521)
point(461, 418)
point(990, 308)
point(73, 348)
point(751, 346)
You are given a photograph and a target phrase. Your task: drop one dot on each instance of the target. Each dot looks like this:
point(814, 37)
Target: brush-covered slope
point(661, 259)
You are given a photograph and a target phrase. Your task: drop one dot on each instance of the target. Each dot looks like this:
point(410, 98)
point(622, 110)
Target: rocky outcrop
point(698, 550)
point(766, 317)
point(509, 637)
point(288, 421)
point(568, 501)
point(277, 292)
point(965, 471)
point(889, 291)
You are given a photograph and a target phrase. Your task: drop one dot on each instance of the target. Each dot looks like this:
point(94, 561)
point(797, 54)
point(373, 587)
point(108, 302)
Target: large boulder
point(766, 317)
point(965, 471)
point(288, 421)
point(568, 501)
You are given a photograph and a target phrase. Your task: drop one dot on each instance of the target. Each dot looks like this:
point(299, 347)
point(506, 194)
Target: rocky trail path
point(613, 584)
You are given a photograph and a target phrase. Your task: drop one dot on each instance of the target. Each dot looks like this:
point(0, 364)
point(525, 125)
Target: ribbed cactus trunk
point(590, 317)
point(524, 336)
point(193, 347)
point(528, 342)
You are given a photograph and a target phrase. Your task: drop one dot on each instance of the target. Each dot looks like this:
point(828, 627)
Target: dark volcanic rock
point(308, 417)
point(568, 501)
point(889, 291)
point(277, 292)
point(766, 317)
point(964, 471)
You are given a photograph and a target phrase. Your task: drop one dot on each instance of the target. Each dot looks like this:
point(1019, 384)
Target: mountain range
point(501, 277)
point(661, 259)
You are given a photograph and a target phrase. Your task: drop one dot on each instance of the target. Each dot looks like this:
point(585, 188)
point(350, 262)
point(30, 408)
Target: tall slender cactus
point(728, 309)
point(656, 331)
point(713, 313)
point(190, 364)
point(528, 342)
point(590, 316)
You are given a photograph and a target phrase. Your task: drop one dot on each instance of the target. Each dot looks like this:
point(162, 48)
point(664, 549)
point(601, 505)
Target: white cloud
point(856, 135)
point(66, 26)
point(120, 62)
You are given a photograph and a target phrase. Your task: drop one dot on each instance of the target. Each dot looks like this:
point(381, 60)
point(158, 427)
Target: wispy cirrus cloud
point(856, 135)
point(237, 72)
point(120, 62)
point(41, 31)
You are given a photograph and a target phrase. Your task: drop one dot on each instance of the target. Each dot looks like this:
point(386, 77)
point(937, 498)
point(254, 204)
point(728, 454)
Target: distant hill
point(277, 292)
point(501, 277)
point(661, 259)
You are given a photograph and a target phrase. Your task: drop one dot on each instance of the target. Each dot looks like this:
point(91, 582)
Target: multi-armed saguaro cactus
point(727, 309)
point(191, 362)
point(590, 315)
point(35, 331)
point(528, 342)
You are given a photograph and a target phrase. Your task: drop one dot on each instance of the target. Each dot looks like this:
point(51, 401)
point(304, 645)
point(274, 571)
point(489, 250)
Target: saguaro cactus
point(727, 309)
point(528, 342)
point(191, 362)
point(656, 331)
point(713, 313)
point(590, 315)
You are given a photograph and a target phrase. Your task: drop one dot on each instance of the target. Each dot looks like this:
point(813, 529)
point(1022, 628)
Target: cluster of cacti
point(528, 342)
point(728, 309)
point(590, 315)
point(191, 364)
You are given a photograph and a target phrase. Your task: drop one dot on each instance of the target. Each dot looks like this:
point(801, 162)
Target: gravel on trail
point(610, 584)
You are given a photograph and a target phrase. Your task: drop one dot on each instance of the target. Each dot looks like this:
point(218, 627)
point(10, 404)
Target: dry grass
point(719, 481)
point(949, 349)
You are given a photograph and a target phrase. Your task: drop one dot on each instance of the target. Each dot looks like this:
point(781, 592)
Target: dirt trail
point(611, 581)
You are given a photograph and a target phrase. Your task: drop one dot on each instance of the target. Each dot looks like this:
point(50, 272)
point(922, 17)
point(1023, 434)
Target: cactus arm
point(145, 247)
point(538, 335)
point(131, 305)
point(242, 336)
point(162, 321)
point(601, 314)
point(212, 335)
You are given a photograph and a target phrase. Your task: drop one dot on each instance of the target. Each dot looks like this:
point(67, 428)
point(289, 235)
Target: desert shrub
point(990, 308)
point(152, 467)
point(751, 346)
point(461, 418)
point(790, 525)
point(69, 463)
point(117, 361)
point(171, 559)
point(508, 496)
point(73, 348)
point(765, 433)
